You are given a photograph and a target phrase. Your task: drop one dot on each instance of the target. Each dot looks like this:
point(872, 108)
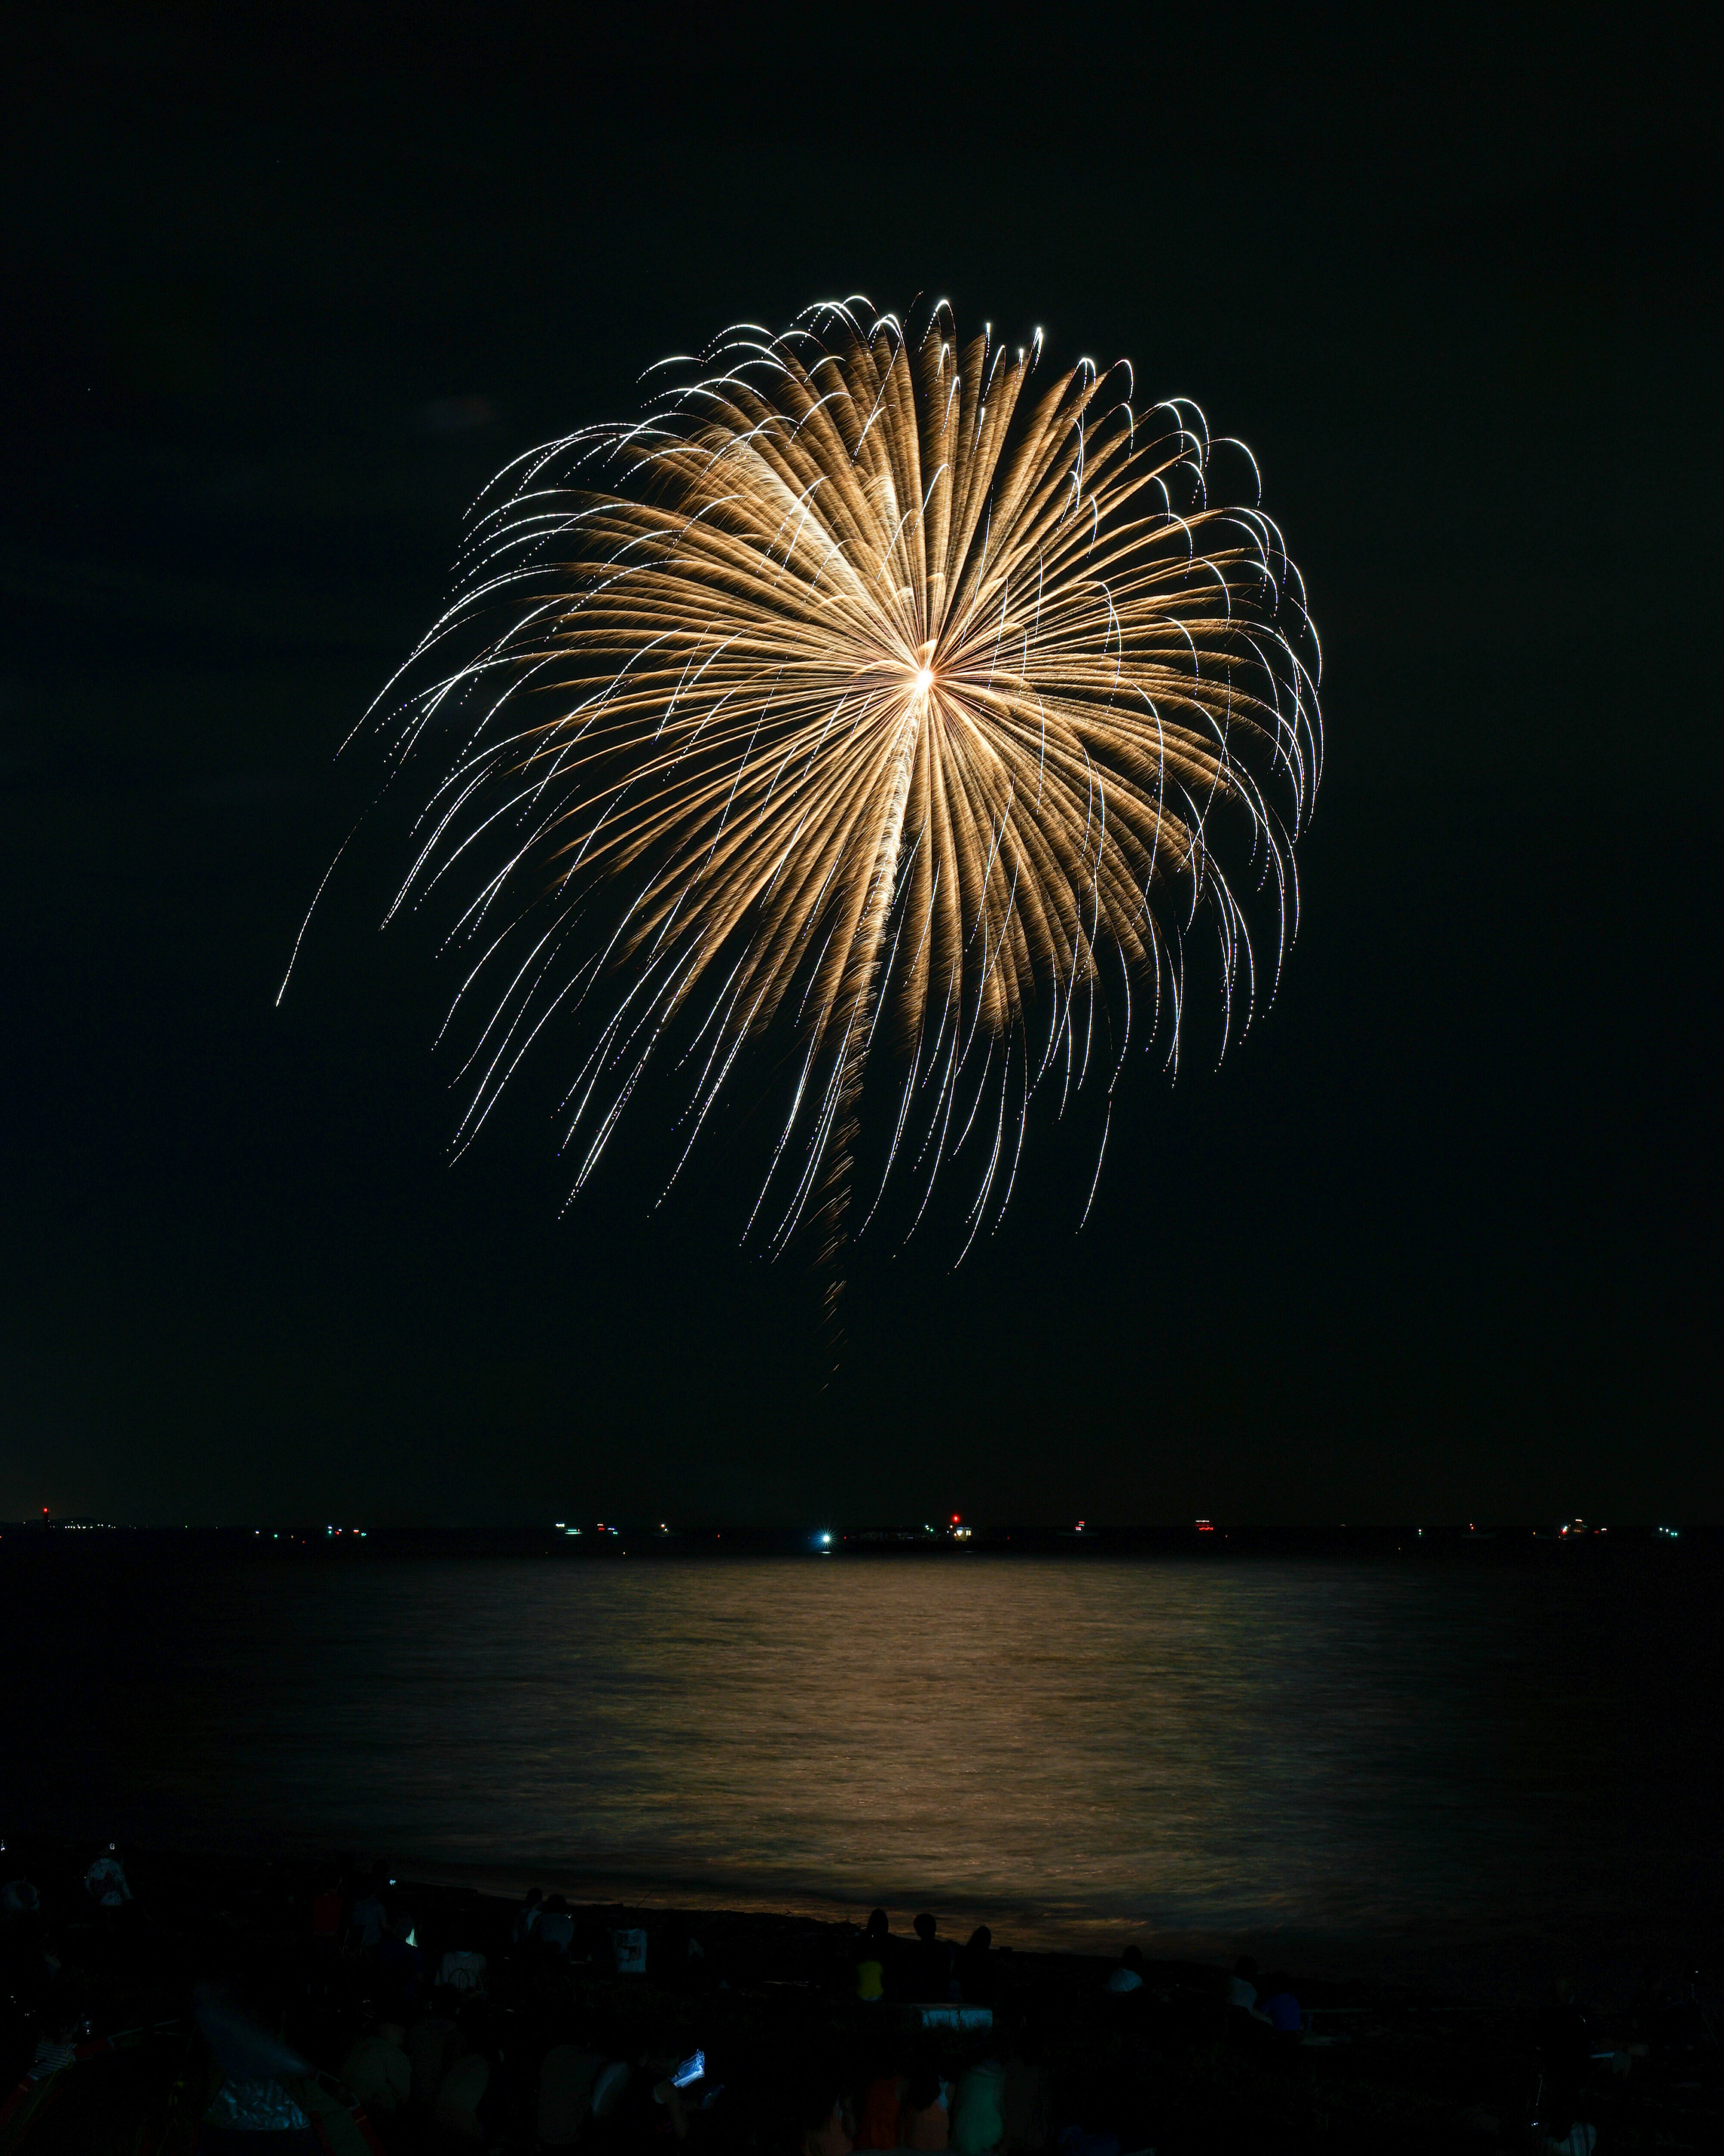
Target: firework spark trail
point(894, 704)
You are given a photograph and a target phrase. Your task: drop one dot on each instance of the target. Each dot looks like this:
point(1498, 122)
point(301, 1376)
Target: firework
point(858, 699)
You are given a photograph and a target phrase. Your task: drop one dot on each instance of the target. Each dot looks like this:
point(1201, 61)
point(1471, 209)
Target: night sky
point(1439, 1240)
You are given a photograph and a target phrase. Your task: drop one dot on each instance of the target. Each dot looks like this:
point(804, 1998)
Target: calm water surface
point(1370, 1762)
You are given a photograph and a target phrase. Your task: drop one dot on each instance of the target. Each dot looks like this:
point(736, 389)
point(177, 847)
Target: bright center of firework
point(924, 679)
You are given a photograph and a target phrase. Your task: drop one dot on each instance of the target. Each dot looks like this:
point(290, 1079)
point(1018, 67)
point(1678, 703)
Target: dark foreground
point(139, 2028)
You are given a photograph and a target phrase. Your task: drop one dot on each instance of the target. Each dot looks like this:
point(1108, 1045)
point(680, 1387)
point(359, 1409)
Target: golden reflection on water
point(1059, 1748)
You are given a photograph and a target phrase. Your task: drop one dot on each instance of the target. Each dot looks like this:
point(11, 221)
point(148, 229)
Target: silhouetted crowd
point(227, 2009)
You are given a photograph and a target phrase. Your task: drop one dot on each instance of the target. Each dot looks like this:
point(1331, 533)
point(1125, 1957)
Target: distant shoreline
point(1570, 1544)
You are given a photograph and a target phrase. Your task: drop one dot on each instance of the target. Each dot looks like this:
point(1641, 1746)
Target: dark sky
point(1439, 1240)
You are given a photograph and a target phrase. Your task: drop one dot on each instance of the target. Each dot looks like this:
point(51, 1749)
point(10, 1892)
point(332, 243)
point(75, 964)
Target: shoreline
point(1459, 1960)
point(1386, 1967)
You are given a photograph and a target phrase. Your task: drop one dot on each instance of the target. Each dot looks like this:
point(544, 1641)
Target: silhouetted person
point(825, 2130)
point(328, 1907)
point(1565, 2049)
point(1024, 2099)
point(1129, 1975)
point(976, 1967)
point(978, 2124)
point(370, 1915)
point(105, 1882)
point(455, 2120)
point(877, 2108)
point(25, 1972)
point(378, 2071)
point(872, 1957)
point(1242, 1985)
point(556, 1928)
point(923, 2122)
point(930, 1972)
point(1280, 2005)
point(567, 2076)
point(400, 1964)
point(20, 1899)
point(430, 2046)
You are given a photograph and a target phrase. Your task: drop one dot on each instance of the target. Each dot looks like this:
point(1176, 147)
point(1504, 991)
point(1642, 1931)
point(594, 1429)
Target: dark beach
point(771, 2002)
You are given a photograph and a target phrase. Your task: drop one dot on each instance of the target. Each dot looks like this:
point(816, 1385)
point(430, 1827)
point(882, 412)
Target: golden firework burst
point(853, 697)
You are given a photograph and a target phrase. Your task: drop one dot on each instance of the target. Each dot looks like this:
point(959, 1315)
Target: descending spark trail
point(850, 697)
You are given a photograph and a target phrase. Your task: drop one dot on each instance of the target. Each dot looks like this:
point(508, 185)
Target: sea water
point(1377, 1764)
